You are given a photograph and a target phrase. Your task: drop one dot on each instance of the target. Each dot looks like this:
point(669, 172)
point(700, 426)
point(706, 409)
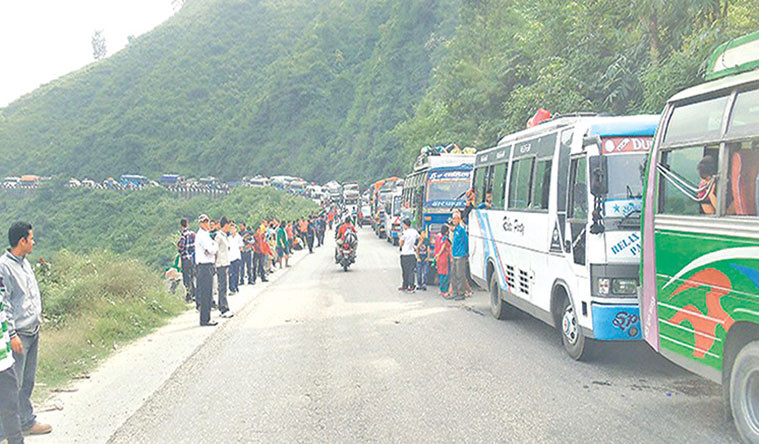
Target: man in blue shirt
point(460, 255)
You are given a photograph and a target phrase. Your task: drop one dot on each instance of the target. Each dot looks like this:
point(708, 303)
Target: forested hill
point(352, 88)
point(238, 87)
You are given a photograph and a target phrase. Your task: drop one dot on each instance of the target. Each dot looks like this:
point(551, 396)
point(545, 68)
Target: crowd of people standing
point(223, 255)
point(447, 252)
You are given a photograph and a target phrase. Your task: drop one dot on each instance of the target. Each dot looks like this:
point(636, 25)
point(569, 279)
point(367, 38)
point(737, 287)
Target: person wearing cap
point(205, 258)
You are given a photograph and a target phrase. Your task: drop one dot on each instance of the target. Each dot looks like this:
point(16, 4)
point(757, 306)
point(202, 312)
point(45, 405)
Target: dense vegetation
point(92, 304)
point(141, 225)
point(353, 88)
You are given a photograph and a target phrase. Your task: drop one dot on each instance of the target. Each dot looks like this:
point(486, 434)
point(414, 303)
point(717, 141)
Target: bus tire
point(498, 307)
point(744, 392)
point(571, 333)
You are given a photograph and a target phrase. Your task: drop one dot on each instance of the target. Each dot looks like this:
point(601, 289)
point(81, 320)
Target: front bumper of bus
point(616, 322)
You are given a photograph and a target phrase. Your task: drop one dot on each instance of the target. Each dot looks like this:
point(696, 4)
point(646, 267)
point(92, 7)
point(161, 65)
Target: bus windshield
point(447, 186)
point(625, 174)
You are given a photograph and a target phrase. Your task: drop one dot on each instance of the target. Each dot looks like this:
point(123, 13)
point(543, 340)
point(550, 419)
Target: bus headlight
point(624, 286)
point(603, 286)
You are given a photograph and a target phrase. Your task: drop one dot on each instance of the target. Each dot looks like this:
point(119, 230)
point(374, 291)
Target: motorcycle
point(345, 251)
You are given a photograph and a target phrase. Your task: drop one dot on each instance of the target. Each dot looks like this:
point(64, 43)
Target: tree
point(99, 49)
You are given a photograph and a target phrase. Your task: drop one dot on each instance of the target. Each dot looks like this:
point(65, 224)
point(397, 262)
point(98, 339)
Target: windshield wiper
point(627, 217)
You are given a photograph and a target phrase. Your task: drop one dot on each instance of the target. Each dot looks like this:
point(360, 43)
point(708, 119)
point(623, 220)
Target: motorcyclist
point(347, 225)
point(341, 237)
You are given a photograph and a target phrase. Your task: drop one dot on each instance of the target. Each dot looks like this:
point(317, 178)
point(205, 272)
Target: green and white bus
point(700, 271)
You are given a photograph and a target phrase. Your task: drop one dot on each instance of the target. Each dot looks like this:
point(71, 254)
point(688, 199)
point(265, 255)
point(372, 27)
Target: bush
point(91, 304)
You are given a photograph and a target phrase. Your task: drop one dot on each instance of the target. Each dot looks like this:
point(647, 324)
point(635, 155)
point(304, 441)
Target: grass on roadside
point(92, 304)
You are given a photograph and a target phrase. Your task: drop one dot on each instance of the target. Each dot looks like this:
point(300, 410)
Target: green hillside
point(232, 88)
point(351, 89)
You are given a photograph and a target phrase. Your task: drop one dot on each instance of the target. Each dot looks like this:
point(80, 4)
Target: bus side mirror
point(599, 184)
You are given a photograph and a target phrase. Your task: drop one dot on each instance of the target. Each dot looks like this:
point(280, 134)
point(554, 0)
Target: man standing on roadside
point(186, 248)
point(235, 258)
point(310, 233)
point(259, 254)
point(205, 257)
point(23, 310)
point(408, 241)
point(282, 251)
point(246, 256)
point(222, 266)
point(460, 255)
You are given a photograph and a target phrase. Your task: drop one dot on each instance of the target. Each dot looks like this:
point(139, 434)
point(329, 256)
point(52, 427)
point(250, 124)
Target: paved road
point(328, 356)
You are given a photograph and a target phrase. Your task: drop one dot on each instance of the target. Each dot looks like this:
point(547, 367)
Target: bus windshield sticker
point(613, 145)
point(621, 207)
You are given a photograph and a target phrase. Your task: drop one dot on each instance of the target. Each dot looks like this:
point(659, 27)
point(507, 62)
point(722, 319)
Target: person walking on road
point(408, 241)
point(235, 258)
point(442, 260)
point(460, 255)
point(23, 311)
point(205, 258)
point(186, 248)
point(222, 266)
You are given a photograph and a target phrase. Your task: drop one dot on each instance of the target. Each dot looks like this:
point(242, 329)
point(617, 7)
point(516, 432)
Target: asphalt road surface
point(329, 356)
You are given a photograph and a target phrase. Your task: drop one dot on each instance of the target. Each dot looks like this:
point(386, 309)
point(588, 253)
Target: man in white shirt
point(408, 255)
point(222, 266)
point(235, 258)
point(205, 258)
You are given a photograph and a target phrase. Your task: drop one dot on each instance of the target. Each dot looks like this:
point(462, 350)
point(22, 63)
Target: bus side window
point(578, 208)
point(520, 186)
point(479, 183)
point(499, 185)
point(743, 173)
point(688, 180)
point(542, 185)
point(743, 179)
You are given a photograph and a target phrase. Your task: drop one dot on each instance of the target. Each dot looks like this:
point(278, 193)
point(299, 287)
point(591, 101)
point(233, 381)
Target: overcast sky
point(41, 40)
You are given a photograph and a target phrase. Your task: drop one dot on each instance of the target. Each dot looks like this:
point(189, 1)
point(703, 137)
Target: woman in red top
point(442, 257)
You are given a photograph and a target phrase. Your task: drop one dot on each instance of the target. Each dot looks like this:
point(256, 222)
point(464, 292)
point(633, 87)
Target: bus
point(393, 216)
point(133, 180)
point(700, 269)
point(435, 188)
point(562, 238)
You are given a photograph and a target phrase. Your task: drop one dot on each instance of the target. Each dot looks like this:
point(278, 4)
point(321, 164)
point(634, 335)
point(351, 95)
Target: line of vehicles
point(621, 228)
point(347, 194)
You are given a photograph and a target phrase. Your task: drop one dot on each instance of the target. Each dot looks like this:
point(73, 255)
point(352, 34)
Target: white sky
point(41, 40)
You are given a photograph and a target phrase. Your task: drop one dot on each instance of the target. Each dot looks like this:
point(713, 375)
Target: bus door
point(577, 221)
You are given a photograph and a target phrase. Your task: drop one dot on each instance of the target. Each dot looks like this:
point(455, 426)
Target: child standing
point(443, 258)
point(422, 260)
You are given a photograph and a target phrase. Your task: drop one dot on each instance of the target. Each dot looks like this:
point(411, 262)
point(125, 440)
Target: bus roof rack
point(734, 57)
point(559, 116)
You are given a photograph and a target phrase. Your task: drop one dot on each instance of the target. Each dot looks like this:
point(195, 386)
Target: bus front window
point(447, 190)
point(625, 175)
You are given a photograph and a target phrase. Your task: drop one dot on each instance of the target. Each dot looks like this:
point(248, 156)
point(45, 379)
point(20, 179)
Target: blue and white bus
point(435, 188)
point(562, 239)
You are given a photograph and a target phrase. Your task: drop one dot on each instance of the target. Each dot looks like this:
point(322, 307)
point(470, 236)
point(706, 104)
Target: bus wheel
point(744, 392)
point(498, 307)
point(571, 333)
